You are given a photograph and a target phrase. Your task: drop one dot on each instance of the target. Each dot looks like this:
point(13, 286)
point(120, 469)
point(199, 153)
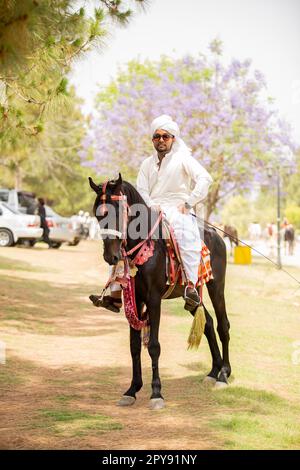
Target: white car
point(16, 227)
point(61, 229)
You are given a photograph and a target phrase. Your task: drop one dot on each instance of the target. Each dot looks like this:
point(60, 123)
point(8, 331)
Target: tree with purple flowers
point(223, 111)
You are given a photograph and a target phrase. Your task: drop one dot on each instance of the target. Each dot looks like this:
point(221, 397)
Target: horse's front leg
point(136, 384)
point(154, 306)
point(129, 397)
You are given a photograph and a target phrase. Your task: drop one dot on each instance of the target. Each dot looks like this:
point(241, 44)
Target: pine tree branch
point(27, 100)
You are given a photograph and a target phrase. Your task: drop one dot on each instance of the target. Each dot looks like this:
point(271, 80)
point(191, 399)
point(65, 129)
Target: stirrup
point(190, 304)
point(107, 302)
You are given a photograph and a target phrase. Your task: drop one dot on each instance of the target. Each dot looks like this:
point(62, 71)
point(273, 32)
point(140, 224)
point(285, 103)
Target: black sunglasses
point(165, 137)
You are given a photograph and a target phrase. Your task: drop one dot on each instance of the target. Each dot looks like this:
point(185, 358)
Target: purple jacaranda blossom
point(222, 111)
point(260, 78)
point(236, 99)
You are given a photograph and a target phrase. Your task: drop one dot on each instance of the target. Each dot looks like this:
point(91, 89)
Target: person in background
point(272, 238)
point(44, 225)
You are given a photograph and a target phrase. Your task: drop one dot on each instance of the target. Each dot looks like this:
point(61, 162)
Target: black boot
point(191, 297)
point(110, 303)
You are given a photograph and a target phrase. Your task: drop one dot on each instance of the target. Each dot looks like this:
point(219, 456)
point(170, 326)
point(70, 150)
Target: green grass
point(59, 382)
point(249, 431)
point(70, 423)
point(34, 306)
point(15, 265)
point(257, 419)
point(14, 372)
point(260, 408)
point(65, 399)
point(9, 377)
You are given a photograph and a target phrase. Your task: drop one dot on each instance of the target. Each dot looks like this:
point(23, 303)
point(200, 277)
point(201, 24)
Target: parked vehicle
point(61, 229)
point(16, 227)
point(21, 201)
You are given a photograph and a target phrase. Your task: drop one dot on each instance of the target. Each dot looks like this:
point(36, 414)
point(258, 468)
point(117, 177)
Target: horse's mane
point(133, 196)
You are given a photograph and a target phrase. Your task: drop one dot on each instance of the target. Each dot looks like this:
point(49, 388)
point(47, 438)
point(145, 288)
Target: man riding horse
point(171, 180)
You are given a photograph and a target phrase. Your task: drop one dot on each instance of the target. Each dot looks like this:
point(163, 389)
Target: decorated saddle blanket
point(175, 268)
point(125, 271)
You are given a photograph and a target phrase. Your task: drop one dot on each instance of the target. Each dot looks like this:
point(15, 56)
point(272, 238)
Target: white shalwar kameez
point(180, 178)
point(170, 185)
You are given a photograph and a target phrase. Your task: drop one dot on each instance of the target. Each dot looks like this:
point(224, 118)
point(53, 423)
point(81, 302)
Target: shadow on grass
point(73, 407)
point(40, 307)
point(8, 263)
point(40, 405)
point(257, 419)
point(243, 418)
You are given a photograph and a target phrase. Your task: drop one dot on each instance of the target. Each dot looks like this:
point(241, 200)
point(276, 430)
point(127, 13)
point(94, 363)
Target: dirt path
point(68, 363)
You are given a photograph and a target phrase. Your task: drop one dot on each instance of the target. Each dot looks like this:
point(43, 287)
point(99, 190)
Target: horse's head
point(110, 209)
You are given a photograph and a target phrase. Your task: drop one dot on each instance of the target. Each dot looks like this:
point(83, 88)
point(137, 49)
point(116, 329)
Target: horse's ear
point(94, 186)
point(117, 183)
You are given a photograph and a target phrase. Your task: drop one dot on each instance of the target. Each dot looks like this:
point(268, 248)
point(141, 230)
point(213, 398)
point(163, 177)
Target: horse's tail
point(197, 329)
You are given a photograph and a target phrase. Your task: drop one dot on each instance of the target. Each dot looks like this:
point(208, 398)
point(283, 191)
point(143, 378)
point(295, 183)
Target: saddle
point(125, 271)
point(175, 270)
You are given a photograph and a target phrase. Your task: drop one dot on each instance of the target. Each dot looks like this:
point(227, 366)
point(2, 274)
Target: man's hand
point(182, 209)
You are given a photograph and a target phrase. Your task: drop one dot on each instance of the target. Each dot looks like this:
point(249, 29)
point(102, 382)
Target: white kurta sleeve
point(142, 183)
point(200, 177)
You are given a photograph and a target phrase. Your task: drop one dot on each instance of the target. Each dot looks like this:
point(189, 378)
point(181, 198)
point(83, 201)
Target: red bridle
point(124, 208)
point(125, 212)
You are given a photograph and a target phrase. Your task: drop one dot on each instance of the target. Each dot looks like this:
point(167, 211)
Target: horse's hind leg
point(216, 293)
point(136, 384)
point(217, 362)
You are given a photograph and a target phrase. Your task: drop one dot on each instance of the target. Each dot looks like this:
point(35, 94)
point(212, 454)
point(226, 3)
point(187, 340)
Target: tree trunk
point(18, 178)
point(211, 202)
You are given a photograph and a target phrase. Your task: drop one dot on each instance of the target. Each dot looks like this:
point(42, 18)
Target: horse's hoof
point(208, 380)
point(156, 404)
point(220, 384)
point(126, 400)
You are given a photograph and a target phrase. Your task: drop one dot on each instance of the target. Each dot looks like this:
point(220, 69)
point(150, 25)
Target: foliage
point(292, 213)
point(241, 211)
point(223, 111)
point(52, 167)
point(39, 40)
point(41, 127)
point(238, 212)
point(292, 184)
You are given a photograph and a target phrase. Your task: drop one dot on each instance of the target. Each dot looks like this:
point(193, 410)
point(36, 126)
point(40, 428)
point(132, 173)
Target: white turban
point(166, 123)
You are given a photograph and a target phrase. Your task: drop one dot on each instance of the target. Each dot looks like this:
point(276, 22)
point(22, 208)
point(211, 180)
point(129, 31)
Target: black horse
point(151, 284)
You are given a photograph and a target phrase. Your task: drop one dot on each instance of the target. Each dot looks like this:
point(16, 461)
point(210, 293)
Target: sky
point(266, 31)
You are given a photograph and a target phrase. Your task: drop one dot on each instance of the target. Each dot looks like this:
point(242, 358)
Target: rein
point(127, 281)
point(159, 218)
point(125, 212)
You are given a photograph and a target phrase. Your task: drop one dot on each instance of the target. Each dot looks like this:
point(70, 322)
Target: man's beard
point(164, 151)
